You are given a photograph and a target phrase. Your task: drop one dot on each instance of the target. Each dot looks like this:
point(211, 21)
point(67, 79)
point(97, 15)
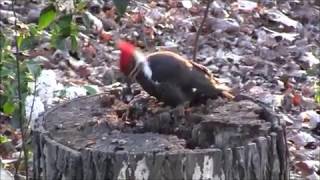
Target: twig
point(20, 98)
point(0, 68)
point(2, 49)
point(144, 35)
point(33, 100)
point(200, 29)
point(31, 109)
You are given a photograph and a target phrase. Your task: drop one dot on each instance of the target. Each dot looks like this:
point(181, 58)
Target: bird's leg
point(129, 82)
point(127, 94)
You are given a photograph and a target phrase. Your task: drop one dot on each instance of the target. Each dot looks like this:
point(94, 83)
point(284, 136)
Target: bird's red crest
point(126, 55)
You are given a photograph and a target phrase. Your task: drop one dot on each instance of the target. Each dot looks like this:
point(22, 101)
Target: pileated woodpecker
point(169, 77)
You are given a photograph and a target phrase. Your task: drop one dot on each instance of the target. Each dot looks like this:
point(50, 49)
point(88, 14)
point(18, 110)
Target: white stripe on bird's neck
point(141, 62)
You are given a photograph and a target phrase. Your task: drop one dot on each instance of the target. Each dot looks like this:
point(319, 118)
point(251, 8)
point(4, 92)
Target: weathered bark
point(213, 148)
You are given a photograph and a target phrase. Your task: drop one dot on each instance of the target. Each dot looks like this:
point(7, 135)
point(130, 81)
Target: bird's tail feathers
point(228, 95)
point(226, 91)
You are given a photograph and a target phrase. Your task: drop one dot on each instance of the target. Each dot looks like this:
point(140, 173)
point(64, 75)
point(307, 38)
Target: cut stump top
point(107, 124)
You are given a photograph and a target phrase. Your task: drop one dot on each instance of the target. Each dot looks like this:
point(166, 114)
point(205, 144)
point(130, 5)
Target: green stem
point(21, 124)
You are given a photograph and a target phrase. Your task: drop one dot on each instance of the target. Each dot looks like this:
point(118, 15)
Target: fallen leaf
point(149, 32)
point(311, 145)
point(287, 36)
point(246, 6)
point(278, 16)
point(302, 139)
point(296, 99)
point(228, 25)
point(186, 4)
point(309, 59)
point(92, 22)
point(89, 51)
point(136, 17)
point(110, 12)
point(304, 168)
point(311, 117)
point(105, 37)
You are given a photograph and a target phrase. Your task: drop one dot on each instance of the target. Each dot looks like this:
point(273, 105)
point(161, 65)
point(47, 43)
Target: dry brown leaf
point(278, 16)
point(296, 99)
point(105, 37)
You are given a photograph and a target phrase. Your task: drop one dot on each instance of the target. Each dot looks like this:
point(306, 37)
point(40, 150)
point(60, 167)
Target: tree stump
point(101, 137)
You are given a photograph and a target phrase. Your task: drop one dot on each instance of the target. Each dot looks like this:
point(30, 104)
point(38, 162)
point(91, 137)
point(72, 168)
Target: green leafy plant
point(16, 71)
point(90, 90)
point(3, 139)
point(121, 6)
point(47, 16)
point(63, 29)
point(317, 93)
point(7, 74)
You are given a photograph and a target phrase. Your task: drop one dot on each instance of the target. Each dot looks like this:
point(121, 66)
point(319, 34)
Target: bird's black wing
point(167, 92)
